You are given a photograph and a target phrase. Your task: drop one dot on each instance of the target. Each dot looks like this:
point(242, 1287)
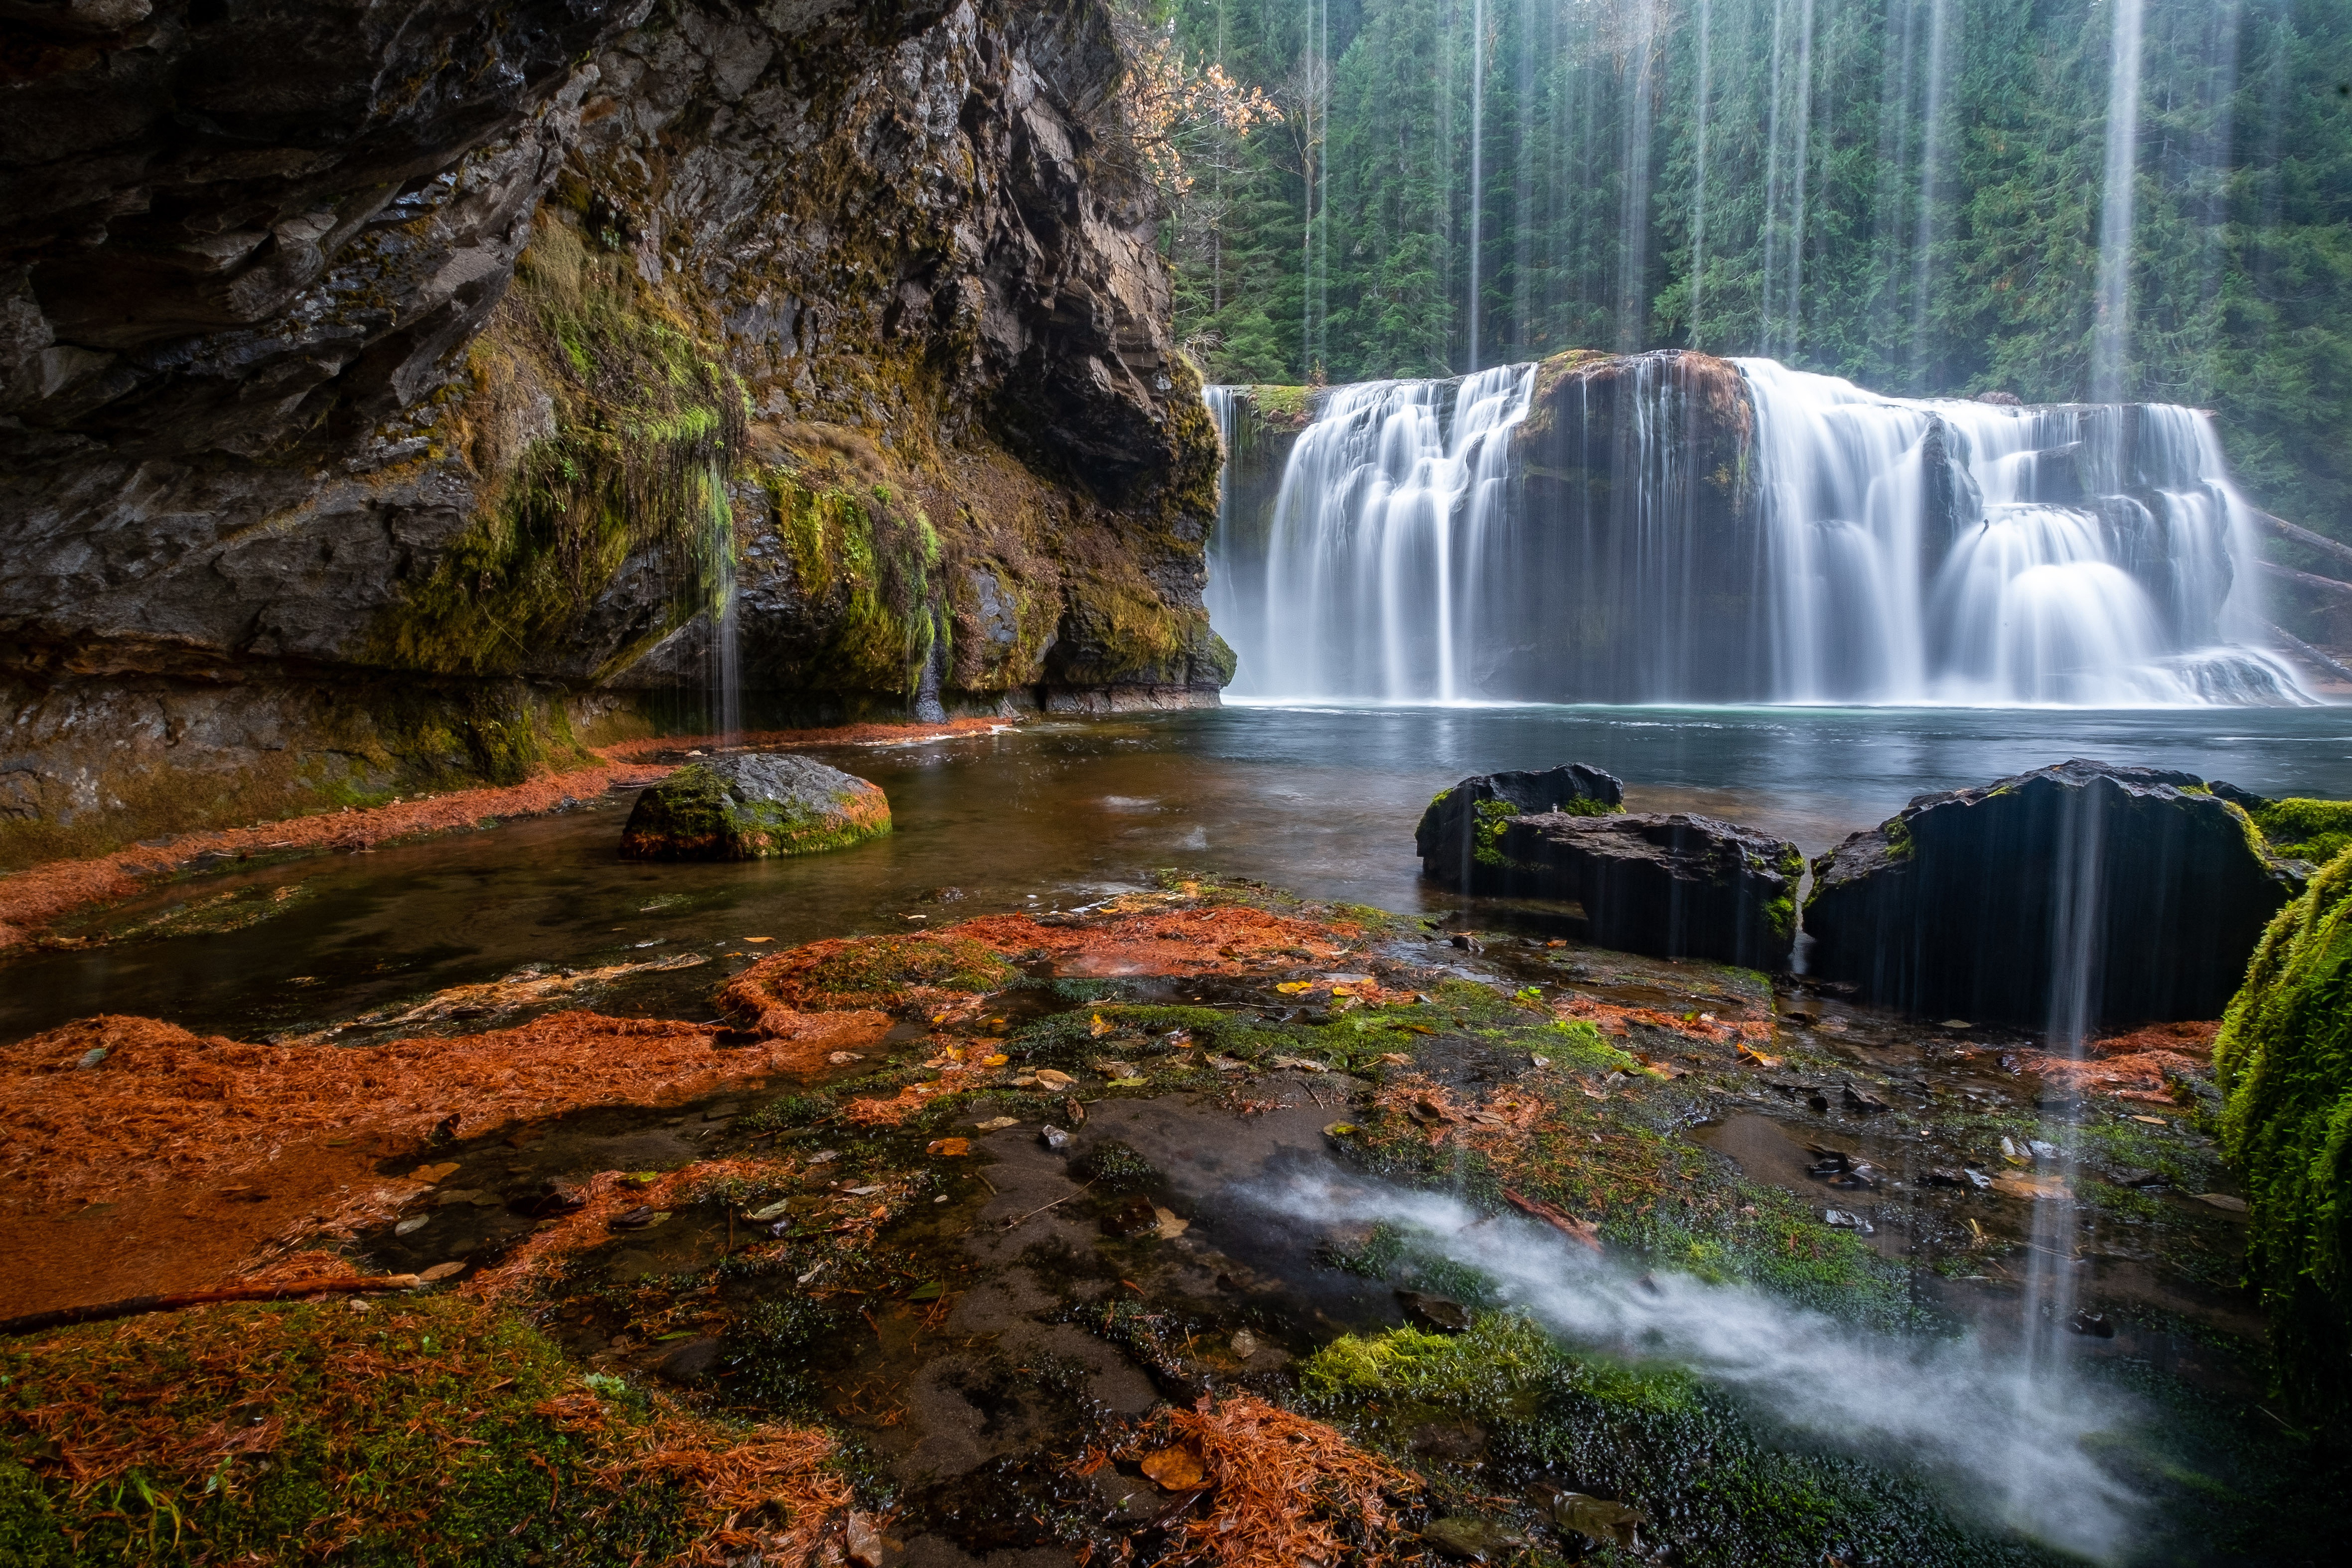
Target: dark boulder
point(1674, 887)
point(751, 807)
point(2070, 896)
point(1456, 838)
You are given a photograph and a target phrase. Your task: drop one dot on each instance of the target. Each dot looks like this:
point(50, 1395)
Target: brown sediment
point(2135, 1064)
point(662, 746)
point(1612, 1018)
point(175, 1159)
point(1141, 939)
point(30, 899)
point(1280, 1486)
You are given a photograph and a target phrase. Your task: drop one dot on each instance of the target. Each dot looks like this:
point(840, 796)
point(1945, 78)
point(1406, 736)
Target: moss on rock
point(749, 808)
point(2315, 830)
point(2284, 1059)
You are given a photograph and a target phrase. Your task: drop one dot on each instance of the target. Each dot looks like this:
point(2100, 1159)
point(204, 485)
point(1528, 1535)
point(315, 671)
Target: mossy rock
point(2285, 1058)
point(1460, 834)
point(749, 808)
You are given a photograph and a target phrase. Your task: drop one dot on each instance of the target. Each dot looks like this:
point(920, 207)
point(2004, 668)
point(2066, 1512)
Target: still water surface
point(1321, 799)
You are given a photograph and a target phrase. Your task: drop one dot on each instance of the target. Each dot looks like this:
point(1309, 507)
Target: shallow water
point(1322, 799)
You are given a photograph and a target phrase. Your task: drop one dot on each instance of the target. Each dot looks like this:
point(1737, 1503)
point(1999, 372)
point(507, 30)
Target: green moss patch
point(2315, 831)
point(2284, 1060)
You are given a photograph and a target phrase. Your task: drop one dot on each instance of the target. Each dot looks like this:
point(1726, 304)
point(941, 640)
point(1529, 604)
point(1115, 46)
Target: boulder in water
point(2073, 895)
point(1674, 887)
point(1458, 833)
point(751, 807)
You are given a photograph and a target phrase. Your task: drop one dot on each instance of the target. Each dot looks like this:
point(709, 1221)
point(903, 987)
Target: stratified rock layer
point(2070, 896)
point(1674, 887)
point(749, 808)
point(389, 394)
point(1458, 834)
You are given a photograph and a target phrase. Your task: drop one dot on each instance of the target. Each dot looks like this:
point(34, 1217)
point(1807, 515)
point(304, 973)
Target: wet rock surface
point(1455, 838)
point(2129, 894)
point(751, 806)
point(1670, 885)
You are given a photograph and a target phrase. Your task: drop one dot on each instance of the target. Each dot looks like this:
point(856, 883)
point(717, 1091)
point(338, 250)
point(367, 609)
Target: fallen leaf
point(998, 1060)
point(1755, 1058)
point(1125, 1082)
point(2031, 1188)
point(844, 1058)
point(1585, 1230)
point(998, 1124)
point(432, 1172)
point(1099, 1027)
point(950, 1148)
point(1171, 1224)
point(929, 1291)
point(1176, 1469)
point(441, 1270)
point(1294, 987)
point(1053, 1080)
point(756, 939)
point(2221, 1200)
point(2153, 1121)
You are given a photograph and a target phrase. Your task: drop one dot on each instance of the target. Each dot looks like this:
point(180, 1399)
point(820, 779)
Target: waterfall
point(1369, 583)
point(1847, 549)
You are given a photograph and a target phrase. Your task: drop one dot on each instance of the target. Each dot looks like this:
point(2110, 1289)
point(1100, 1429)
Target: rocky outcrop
point(1459, 836)
point(482, 356)
point(1673, 886)
point(750, 808)
point(2070, 896)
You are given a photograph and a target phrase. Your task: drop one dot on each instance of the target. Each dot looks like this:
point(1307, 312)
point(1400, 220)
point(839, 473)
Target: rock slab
point(2073, 896)
point(751, 806)
point(1459, 832)
point(1674, 887)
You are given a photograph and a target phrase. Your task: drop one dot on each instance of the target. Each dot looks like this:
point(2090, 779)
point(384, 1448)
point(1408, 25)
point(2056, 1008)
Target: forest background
point(1911, 193)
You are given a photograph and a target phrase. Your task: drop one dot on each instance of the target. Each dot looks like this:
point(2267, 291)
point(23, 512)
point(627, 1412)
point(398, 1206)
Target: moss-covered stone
point(2314, 831)
point(749, 808)
point(2284, 1059)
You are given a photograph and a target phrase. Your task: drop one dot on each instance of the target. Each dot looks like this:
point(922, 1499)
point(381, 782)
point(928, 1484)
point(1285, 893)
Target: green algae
point(2283, 1060)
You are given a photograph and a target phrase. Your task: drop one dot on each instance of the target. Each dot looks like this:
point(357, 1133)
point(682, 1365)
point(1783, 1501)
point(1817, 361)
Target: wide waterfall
point(1664, 529)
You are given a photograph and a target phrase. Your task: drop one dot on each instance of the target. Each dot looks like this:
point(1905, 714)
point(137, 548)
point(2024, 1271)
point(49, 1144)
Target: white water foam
point(2011, 1440)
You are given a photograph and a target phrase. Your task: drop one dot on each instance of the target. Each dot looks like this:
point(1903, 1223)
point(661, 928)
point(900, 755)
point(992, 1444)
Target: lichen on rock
point(753, 807)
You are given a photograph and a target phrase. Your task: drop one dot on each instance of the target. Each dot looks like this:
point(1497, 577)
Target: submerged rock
point(2078, 894)
point(1674, 887)
point(748, 808)
point(1457, 836)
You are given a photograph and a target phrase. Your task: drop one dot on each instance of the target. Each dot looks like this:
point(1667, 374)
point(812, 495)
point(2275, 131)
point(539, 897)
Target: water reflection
point(1322, 799)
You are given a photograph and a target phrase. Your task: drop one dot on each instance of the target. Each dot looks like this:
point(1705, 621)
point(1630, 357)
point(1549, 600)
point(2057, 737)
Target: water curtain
point(1656, 531)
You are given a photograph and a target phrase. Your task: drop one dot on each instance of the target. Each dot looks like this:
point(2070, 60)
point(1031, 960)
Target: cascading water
point(1855, 548)
point(1372, 583)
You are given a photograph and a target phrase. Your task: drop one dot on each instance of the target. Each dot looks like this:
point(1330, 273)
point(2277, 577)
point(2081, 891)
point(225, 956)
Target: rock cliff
point(393, 392)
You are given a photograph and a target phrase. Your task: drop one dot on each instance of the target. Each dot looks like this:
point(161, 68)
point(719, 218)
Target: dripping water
point(1478, 162)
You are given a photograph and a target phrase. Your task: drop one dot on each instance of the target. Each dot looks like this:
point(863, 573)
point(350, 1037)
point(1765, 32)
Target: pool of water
point(1318, 799)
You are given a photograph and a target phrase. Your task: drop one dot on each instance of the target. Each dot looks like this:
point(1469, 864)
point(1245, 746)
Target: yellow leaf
point(1098, 1027)
point(1292, 988)
point(949, 1147)
point(1176, 1469)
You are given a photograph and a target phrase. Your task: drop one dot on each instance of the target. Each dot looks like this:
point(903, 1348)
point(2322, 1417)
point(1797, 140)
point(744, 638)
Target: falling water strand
point(1792, 324)
point(1931, 158)
point(1698, 176)
point(2111, 339)
point(1634, 218)
point(1859, 549)
point(2077, 947)
point(1477, 162)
